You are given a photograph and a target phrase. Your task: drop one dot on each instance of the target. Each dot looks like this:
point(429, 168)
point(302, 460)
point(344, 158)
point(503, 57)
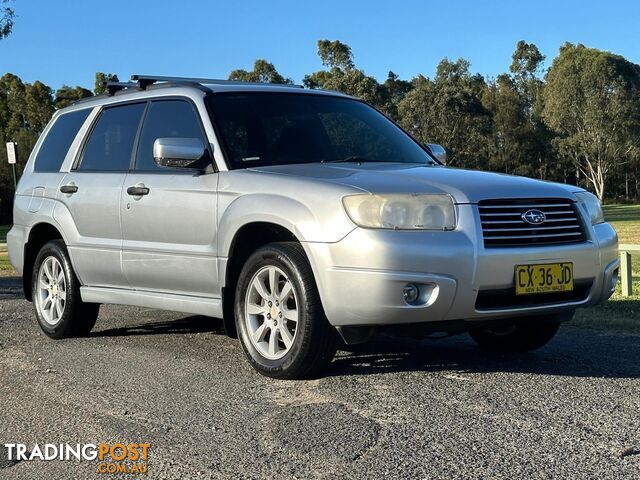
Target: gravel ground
point(395, 408)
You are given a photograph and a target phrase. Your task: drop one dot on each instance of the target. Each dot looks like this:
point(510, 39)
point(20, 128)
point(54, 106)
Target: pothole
point(321, 430)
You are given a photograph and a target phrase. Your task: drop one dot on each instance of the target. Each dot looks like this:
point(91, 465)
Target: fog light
point(410, 293)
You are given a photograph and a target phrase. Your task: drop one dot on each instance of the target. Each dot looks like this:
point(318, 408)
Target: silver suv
point(293, 214)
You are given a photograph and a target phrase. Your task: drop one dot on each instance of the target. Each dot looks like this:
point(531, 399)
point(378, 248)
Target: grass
point(626, 220)
point(3, 233)
point(620, 314)
point(6, 269)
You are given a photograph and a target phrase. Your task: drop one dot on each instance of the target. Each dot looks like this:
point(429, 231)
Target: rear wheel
point(60, 311)
point(282, 327)
point(524, 336)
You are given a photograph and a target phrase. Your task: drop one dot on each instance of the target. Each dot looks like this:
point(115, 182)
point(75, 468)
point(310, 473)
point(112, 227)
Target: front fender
point(305, 223)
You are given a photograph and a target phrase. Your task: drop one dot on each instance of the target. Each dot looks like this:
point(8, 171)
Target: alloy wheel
point(271, 312)
point(52, 290)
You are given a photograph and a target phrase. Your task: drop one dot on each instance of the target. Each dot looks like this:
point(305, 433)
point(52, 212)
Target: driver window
point(166, 118)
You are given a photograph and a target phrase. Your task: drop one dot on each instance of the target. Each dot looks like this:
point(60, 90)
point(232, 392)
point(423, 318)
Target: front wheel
point(527, 335)
point(60, 311)
point(279, 317)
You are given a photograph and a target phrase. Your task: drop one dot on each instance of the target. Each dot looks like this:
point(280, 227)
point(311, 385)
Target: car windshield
point(273, 128)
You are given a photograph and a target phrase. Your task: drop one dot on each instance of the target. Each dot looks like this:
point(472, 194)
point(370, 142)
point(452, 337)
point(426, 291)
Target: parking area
point(395, 408)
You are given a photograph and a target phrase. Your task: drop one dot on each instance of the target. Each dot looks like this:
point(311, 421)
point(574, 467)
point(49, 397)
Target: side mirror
point(437, 151)
point(178, 152)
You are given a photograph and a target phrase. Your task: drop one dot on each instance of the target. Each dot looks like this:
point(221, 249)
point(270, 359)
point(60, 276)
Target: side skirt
point(211, 307)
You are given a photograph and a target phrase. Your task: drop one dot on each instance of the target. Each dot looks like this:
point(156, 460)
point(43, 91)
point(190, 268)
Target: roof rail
point(113, 87)
point(145, 80)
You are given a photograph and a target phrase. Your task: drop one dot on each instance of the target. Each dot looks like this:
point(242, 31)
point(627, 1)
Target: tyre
point(279, 317)
point(60, 311)
point(521, 337)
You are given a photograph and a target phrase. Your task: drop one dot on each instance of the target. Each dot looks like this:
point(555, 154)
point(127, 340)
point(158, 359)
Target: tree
point(510, 135)
point(342, 75)
point(519, 139)
point(66, 95)
point(335, 54)
point(6, 19)
point(526, 68)
point(25, 109)
point(578, 124)
point(393, 91)
point(592, 101)
point(263, 71)
point(100, 85)
point(13, 93)
point(449, 110)
point(39, 106)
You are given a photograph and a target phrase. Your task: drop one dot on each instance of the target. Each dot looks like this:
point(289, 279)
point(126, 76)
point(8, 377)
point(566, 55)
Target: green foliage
point(519, 141)
point(342, 75)
point(335, 54)
point(66, 95)
point(357, 83)
point(39, 105)
point(592, 102)
point(578, 123)
point(7, 16)
point(263, 71)
point(100, 85)
point(621, 313)
point(526, 65)
point(448, 110)
point(25, 110)
point(25, 140)
point(394, 90)
point(13, 111)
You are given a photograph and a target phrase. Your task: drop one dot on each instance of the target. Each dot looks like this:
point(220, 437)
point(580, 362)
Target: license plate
point(544, 278)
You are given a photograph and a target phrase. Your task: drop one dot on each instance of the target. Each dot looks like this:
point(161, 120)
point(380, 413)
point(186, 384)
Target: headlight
point(402, 211)
point(593, 206)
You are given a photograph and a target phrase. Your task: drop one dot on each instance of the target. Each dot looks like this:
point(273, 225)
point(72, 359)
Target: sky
point(66, 42)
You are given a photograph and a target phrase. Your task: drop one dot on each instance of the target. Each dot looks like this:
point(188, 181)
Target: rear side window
point(111, 141)
point(166, 118)
point(57, 142)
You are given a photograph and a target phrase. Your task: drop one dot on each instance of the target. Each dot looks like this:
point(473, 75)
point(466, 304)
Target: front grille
point(507, 298)
point(503, 226)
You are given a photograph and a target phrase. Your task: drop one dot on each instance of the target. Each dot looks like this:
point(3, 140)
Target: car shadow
point(573, 353)
point(182, 326)
point(10, 287)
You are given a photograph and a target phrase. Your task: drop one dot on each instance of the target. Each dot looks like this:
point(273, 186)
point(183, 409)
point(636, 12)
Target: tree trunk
point(626, 185)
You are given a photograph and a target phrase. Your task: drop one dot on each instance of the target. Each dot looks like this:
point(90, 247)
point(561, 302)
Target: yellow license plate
point(544, 278)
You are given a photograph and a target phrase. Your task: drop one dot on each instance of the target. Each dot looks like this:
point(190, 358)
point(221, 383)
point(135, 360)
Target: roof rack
point(143, 81)
point(113, 87)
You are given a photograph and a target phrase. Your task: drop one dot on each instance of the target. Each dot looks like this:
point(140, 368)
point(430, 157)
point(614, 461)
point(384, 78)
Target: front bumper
point(361, 277)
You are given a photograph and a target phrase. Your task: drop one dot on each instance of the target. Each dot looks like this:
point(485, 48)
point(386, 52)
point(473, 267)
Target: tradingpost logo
point(116, 458)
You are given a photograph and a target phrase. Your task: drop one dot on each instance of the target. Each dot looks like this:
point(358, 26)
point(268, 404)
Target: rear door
point(169, 233)
point(92, 192)
point(50, 156)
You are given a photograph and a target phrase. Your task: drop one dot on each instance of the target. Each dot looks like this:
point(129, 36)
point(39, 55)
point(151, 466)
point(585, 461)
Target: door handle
point(137, 190)
point(69, 189)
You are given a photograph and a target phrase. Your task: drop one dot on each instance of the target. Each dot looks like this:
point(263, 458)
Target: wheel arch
point(247, 239)
point(39, 234)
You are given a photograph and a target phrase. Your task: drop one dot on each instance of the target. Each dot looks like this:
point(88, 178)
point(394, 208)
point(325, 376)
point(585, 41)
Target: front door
point(169, 215)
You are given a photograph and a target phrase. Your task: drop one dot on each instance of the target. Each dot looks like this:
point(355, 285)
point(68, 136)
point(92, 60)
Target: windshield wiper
point(350, 158)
